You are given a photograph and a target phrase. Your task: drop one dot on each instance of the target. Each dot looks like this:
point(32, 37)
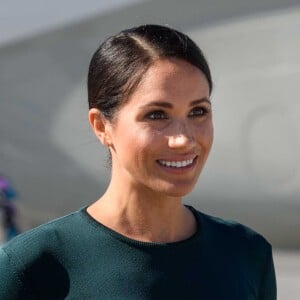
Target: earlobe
point(100, 126)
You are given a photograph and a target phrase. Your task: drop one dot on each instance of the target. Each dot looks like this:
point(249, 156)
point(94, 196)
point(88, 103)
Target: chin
point(177, 191)
point(170, 188)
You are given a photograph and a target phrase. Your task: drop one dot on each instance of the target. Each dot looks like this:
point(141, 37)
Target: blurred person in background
point(8, 208)
point(149, 93)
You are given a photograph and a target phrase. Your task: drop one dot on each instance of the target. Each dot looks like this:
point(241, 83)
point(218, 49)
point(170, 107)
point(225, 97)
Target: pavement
point(287, 266)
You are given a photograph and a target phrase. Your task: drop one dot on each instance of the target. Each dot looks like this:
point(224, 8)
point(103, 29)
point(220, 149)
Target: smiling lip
point(177, 164)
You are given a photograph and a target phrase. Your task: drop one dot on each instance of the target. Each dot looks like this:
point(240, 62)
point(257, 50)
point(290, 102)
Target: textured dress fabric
point(76, 257)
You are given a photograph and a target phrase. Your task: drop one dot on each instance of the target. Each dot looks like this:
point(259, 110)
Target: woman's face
point(162, 135)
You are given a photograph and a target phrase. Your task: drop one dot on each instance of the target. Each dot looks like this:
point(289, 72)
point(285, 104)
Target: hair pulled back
point(120, 62)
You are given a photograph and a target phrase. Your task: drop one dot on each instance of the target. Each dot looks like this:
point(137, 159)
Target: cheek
point(205, 134)
point(147, 137)
point(137, 145)
point(147, 144)
point(210, 134)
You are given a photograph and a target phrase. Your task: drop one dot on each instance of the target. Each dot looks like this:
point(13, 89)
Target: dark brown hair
point(119, 63)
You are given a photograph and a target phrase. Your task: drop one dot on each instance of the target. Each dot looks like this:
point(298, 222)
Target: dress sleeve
point(10, 285)
point(268, 288)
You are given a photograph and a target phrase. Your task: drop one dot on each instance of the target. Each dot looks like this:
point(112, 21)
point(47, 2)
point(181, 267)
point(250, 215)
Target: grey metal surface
point(24, 19)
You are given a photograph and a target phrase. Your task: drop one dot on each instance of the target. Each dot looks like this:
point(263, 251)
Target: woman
point(149, 97)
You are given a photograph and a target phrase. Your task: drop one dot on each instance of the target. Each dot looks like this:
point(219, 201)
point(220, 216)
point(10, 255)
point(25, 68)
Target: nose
point(182, 137)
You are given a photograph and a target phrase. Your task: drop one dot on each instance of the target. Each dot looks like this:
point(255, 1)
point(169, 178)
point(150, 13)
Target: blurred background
point(53, 164)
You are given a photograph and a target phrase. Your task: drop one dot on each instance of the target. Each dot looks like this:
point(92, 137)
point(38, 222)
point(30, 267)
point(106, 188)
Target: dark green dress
point(75, 257)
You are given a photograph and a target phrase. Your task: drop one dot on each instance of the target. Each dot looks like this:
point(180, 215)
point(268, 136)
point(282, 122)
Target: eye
point(156, 115)
point(198, 111)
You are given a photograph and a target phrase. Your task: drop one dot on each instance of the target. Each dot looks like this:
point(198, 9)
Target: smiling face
point(161, 137)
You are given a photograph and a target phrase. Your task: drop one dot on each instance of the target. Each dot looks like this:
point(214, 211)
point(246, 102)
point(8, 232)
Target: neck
point(144, 215)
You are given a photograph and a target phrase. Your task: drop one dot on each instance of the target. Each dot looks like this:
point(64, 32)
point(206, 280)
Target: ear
point(100, 125)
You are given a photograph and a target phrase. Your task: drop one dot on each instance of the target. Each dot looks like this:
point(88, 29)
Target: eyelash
point(153, 115)
point(161, 115)
point(201, 111)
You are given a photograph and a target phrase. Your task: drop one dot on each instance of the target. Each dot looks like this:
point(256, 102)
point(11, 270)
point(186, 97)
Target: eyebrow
point(165, 104)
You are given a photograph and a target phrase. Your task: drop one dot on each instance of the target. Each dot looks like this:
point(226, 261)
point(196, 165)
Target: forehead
point(169, 79)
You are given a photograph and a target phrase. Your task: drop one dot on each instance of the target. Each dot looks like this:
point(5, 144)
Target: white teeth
point(176, 164)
